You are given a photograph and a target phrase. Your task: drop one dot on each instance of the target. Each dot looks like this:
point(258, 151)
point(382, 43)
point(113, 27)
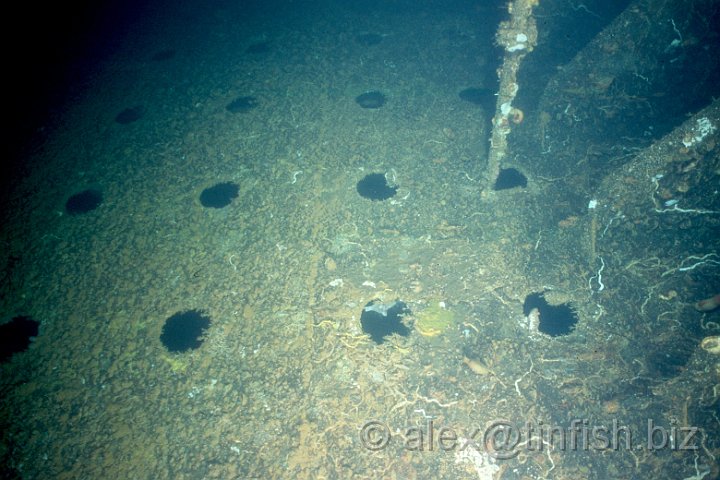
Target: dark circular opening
point(371, 100)
point(83, 202)
point(368, 39)
point(380, 320)
point(242, 105)
point(219, 195)
point(16, 335)
point(184, 331)
point(130, 115)
point(375, 187)
point(510, 178)
point(555, 320)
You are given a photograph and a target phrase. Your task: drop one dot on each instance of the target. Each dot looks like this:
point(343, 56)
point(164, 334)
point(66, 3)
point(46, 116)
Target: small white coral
point(484, 464)
point(520, 43)
point(703, 128)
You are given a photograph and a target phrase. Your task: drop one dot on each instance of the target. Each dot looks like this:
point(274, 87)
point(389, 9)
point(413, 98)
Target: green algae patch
point(434, 320)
